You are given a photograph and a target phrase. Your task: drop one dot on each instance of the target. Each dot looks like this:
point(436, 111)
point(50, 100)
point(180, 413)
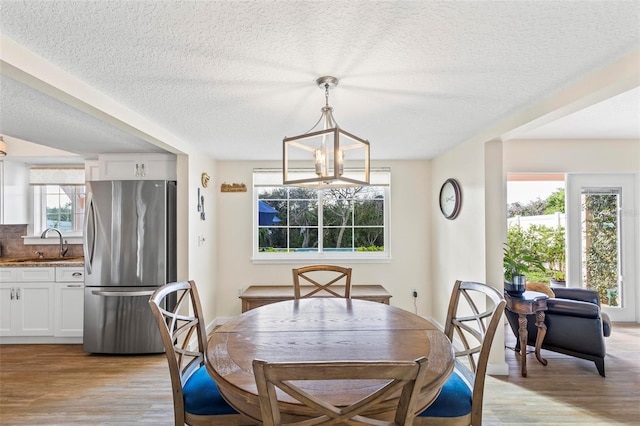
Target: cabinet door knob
point(17, 294)
point(13, 293)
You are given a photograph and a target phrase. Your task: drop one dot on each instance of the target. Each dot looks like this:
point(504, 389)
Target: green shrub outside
point(370, 248)
point(545, 243)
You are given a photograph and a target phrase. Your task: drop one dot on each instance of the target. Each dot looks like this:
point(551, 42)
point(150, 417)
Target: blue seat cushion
point(201, 395)
point(454, 399)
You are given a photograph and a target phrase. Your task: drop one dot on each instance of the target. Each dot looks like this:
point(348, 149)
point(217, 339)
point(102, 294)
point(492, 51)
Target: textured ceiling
point(615, 118)
point(234, 78)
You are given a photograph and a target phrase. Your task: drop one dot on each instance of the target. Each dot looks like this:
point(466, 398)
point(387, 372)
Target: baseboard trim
point(498, 369)
point(46, 340)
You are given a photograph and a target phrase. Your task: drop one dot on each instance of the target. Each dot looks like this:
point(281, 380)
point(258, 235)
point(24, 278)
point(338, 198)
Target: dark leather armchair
point(575, 325)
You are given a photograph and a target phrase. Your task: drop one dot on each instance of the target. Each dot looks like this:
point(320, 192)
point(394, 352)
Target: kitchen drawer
point(35, 274)
point(70, 274)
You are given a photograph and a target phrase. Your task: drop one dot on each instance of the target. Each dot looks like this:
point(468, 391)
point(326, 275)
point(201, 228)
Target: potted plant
point(516, 262)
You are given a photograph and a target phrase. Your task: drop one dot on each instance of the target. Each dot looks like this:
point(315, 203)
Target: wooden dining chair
point(475, 310)
point(322, 277)
point(406, 378)
point(196, 399)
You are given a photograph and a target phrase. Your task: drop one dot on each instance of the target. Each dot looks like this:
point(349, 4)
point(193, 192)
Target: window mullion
point(352, 212)
point(320, 221)
point(288, 219)
point(41, 210)
point(74, 209)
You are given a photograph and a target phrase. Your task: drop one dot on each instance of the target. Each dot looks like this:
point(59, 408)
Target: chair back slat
point(475, 326)
point(406, 378)
point(178, 313)
point(322, 278)
point(176, 308)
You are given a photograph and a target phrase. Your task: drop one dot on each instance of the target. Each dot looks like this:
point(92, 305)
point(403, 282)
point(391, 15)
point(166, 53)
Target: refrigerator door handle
point(122, 293)
point(89, 246)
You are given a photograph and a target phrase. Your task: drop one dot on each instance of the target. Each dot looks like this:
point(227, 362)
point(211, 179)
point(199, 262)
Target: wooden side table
point(260, 295)
point(531, 302)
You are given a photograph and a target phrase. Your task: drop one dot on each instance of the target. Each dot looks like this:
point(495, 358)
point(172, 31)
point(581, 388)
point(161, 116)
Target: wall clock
point(450, 199)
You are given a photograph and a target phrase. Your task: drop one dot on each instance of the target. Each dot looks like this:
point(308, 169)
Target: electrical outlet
point(414, 292)
point(239, 291)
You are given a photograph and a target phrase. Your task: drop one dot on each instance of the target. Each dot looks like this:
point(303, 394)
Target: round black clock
point(450, 198)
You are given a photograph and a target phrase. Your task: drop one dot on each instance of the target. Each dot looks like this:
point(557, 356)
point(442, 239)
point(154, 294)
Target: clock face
point(450, 199)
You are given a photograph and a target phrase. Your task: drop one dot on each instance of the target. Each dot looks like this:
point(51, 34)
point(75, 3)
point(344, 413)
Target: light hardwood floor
point(60, 384)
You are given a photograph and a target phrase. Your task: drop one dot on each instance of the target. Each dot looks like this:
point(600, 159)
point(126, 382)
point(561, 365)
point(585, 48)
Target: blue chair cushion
point(201, 395)
point(454, 399)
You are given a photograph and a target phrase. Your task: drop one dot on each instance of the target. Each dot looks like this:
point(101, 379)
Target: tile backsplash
point(13, 245)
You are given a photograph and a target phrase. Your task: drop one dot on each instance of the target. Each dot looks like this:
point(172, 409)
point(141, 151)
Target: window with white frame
point(293, 222)
point(61, 207)
point(58, 199)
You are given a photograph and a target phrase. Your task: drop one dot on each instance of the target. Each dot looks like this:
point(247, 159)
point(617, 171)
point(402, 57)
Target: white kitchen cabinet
point(14, 193)
point(91, 170)
point(137, 167)
point(26, 301)
point(69, 302)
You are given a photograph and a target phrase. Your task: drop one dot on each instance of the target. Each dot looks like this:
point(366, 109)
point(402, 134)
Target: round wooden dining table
point(324, 329)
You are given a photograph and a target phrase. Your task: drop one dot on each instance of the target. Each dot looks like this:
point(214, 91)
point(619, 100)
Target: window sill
point(318, 259)
point(31, 240)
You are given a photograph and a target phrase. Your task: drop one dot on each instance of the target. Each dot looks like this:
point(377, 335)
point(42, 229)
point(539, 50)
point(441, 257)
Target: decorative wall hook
point(205, 180)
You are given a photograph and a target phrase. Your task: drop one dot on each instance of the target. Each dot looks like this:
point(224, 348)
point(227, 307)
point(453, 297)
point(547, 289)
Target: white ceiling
point(235, 77)
point(617, 117)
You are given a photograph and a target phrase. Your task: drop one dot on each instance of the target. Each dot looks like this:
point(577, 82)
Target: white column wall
point(465, 248)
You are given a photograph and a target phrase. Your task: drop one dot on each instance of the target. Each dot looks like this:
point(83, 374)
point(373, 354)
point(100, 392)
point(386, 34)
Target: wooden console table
point(531, 302)
point(260, 295)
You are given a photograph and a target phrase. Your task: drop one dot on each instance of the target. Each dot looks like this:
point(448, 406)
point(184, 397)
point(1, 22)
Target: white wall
point(197, 260)
point(458, 243)
point(411, 208)
point(572, 156)
point(469, 248)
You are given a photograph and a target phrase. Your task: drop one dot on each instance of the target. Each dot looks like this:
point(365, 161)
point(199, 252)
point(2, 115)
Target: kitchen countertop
point(40, 261)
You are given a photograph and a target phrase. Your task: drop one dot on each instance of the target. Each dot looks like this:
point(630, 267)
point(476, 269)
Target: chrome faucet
point(63, 246)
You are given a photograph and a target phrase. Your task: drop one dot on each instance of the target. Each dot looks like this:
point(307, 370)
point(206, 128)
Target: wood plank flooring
point(569, 391)
point(61, 385)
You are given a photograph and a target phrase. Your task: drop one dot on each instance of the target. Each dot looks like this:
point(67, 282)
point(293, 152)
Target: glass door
point(601, 237)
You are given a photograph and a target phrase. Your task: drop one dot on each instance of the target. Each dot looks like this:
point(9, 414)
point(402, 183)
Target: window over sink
point(58, 200)
point(60, 207)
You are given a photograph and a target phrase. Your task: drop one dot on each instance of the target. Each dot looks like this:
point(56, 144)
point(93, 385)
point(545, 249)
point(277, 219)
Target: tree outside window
point(339, 221)
point(601, 245)
point(64, 207)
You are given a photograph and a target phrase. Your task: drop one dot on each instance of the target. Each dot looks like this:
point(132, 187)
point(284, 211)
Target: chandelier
point(319, 158)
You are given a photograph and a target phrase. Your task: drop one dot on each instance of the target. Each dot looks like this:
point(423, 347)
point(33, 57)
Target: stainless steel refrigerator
point(129, 251)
